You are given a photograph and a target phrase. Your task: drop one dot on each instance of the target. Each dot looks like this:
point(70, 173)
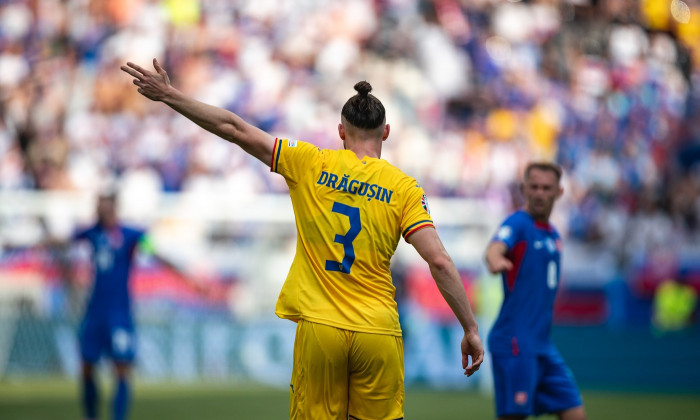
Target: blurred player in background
point(530, 377)
point(351, 208)
point(107, 327)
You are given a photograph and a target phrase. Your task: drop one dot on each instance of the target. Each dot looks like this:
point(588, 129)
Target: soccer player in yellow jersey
point(351, 209)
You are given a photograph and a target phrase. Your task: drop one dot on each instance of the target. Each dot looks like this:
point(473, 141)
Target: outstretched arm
point(428, 244)
point(147, 246)
point(496, 259)
point(225, 124)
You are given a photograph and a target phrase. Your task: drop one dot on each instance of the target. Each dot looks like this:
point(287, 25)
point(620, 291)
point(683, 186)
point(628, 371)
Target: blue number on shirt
point(353, 213)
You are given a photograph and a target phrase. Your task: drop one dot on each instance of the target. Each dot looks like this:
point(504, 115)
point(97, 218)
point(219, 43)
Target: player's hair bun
point(363, 110)
point(363, 88)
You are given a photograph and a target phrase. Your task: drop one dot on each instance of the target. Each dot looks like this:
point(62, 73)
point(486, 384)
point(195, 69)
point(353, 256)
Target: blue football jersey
point(113, 251)
point(524, 322)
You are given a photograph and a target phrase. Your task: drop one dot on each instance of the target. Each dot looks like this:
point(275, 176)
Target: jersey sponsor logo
point(424, 203)
point(504, 233)
point(291, 143)
point(353, 186)
point(520, 398)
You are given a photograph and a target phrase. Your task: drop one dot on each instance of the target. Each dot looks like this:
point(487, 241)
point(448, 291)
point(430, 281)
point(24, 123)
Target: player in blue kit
point(530, 377)
point(107, 327)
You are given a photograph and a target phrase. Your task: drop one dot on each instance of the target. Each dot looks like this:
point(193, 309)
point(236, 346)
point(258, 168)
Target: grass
point(57, 400)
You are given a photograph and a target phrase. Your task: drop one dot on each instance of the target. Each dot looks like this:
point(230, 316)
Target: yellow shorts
point(341, 374)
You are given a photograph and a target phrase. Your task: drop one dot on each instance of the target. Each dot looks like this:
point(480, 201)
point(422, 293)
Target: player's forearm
point(169, 265)
point(450, 285)
point(494, 253)
point(223, 123)
point(219, 121)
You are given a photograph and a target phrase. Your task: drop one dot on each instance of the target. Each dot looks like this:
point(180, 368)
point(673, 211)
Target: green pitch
point(56, 400)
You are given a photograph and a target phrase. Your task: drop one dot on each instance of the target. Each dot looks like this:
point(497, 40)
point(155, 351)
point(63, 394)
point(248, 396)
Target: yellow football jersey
point(350, 214)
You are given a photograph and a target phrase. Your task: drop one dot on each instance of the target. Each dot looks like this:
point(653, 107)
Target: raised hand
point(154, 86)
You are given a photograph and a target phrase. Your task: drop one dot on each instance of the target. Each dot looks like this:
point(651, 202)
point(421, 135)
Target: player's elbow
point(229, 131)
point(440, 262)
point(241, 134)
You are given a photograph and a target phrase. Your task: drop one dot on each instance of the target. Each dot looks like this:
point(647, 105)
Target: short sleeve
point(510, 231)
point(292, 159)
point(416, 213)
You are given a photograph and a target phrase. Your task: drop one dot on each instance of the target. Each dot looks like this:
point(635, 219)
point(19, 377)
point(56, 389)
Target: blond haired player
point(351, 209)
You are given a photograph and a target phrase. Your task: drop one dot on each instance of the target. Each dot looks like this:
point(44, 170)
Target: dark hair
point(364, 110)
point(544, 166)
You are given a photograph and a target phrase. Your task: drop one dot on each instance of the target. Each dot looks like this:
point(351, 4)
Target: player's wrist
point(170, 95)
point(471, 329)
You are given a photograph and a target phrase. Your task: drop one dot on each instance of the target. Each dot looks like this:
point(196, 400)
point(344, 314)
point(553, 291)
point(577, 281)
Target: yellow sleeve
point(292, 158)
point(416, 214)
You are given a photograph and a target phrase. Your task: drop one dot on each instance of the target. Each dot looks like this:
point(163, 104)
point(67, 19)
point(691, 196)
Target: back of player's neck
point(364, 148)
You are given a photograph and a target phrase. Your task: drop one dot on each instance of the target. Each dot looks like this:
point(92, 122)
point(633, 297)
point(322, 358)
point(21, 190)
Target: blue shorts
point(533, 384)
point(116, 340)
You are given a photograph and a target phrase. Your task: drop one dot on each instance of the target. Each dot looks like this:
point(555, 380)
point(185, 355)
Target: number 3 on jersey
point(353, 213)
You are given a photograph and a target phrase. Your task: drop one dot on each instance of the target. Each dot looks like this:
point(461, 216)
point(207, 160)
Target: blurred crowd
point(610, 89)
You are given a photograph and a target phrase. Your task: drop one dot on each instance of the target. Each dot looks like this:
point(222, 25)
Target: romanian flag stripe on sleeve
point(276, 155)
point(416, 226)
